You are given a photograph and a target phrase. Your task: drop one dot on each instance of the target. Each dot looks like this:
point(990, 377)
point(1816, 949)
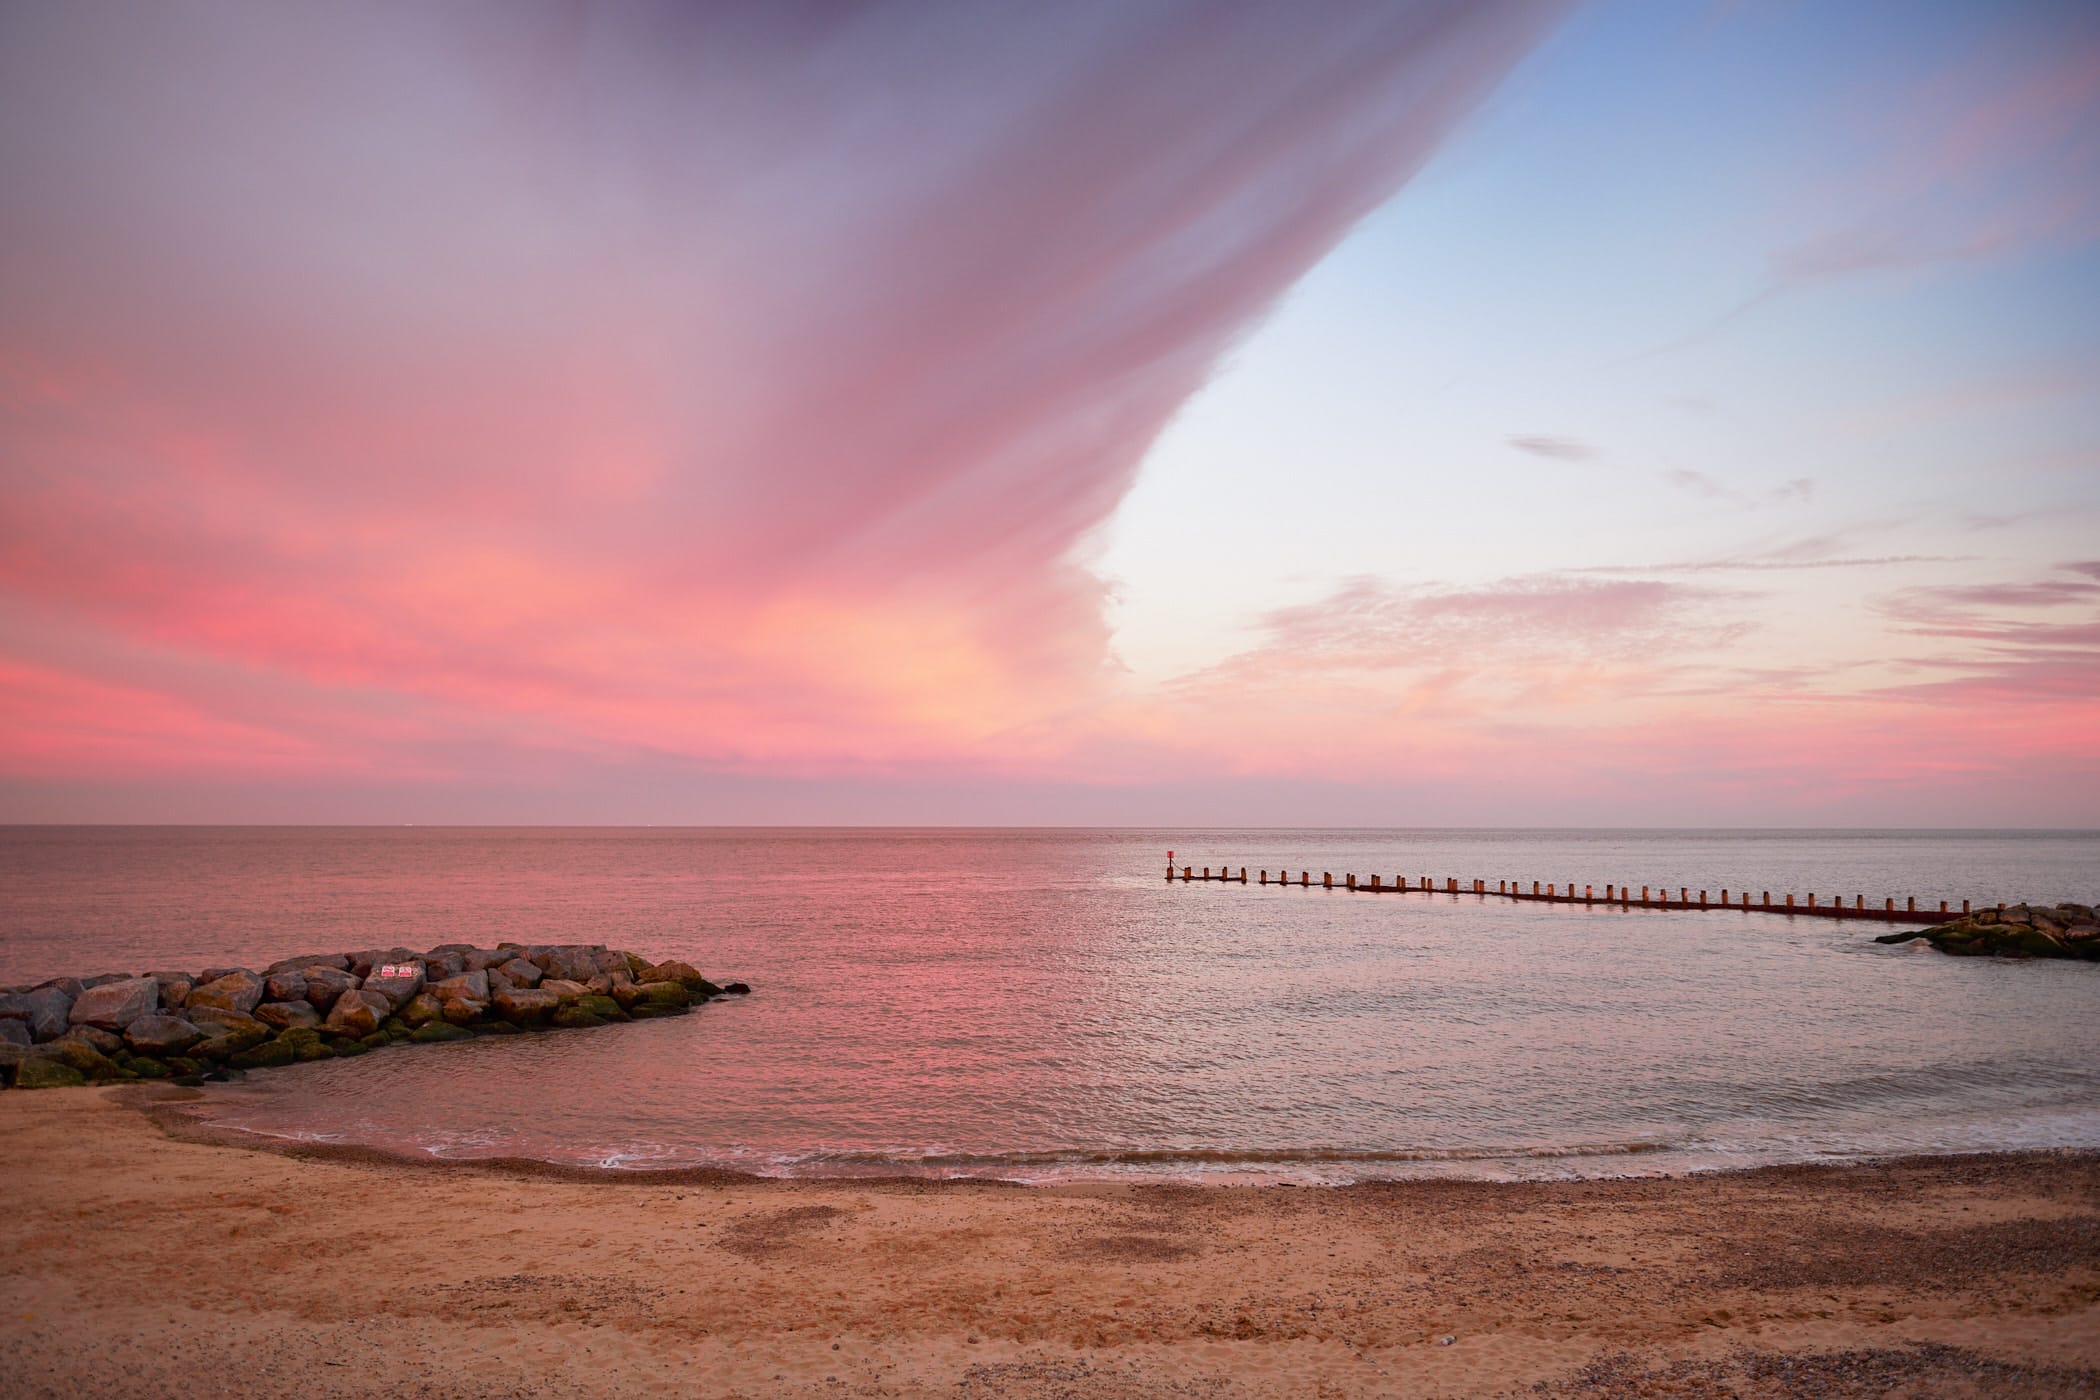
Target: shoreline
point(168, 1107)
point(150, 1254)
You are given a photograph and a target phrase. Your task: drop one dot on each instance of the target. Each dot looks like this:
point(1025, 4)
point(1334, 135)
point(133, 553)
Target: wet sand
point(146, 1256)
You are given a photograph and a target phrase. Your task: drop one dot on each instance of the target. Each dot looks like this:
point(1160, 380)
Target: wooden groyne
point(1612, 896)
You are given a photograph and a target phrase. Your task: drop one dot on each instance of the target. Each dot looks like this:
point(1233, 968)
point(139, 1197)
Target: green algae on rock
point(2015, 931)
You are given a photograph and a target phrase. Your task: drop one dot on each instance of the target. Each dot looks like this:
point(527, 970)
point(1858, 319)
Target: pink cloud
point(646, 379)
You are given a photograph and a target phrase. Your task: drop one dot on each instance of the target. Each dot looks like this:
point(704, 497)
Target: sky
point(1433, 412)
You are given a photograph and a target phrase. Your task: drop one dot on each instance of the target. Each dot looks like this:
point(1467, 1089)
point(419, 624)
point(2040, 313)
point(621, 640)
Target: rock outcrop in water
point(2019, 931)
point(224, 1020)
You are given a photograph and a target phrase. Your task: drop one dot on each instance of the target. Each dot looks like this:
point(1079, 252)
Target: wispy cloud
point(1801, 489)
point(1564, 449)
point(713, 383)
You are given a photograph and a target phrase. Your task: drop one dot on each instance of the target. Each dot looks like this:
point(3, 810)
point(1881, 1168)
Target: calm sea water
point(1043, 1005)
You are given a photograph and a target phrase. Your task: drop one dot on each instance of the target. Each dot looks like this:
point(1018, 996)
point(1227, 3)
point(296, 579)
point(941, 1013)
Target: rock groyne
point(2015, 931)
point(194, 1027)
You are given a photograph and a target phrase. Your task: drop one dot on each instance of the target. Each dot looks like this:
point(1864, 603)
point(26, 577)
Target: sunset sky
point(1643, 412)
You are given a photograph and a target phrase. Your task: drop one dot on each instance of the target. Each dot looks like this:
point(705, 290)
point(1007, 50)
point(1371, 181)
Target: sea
point(1043, 1005)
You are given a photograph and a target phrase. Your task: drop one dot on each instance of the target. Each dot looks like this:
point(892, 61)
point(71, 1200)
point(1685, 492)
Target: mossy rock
point(574, 1017)
point(45, 1073)
point(2037, 944)
point(494, 1028)
point(346, 1049)
point(80, 1057)
point(146, 1067)
point(307, 1054)
point(653, 1011)
point(432, 1032)
point(605, 1008)
point(395, 1026)
point(42, 1072)
point(190, 1081)
point(180, 1065)
point(299, 1036)
point(377, 1040)
point(270, 1056)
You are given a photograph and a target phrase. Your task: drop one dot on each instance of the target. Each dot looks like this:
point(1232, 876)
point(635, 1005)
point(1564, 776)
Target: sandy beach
point(147, 1255)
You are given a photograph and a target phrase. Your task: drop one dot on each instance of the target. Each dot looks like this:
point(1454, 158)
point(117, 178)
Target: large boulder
point(239, 990)
point(526, 1006)
point(397, 982)
point(431, 1032)
point(271, 1054)
point(288, 1015)
point(15, 1033)
point(482, 959)
point(36, 1072)
point(46, 1010)
point(566, 990)
point(469, 986)
point(106, 1042)
point(652, 994)
point(422, 1008)
point(570, 962)
point(335, 961)
point(357, 1013)
point(685, 975)
point(289, 985)
point(519, 973)
point(115, 1005)
point(325, 984)
point(174, 991)
point(215, 1019)
point(78, 1055)
point(438, 966)
point(162, 1035)
point(462, 1011)
point(226, 1033)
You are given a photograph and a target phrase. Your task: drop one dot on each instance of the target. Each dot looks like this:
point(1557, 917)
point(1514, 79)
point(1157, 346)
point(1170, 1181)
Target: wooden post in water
point(1327, 879)
point(1768, 899)
point(1965, 909)
point(1351, 880)
point(1374, 882)
point(1789, 901)
point(1589, 893)
point(1702, 899)
point(1184, 874)
point(1811, 899)
point(1724, 898)
point(1683, 893)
